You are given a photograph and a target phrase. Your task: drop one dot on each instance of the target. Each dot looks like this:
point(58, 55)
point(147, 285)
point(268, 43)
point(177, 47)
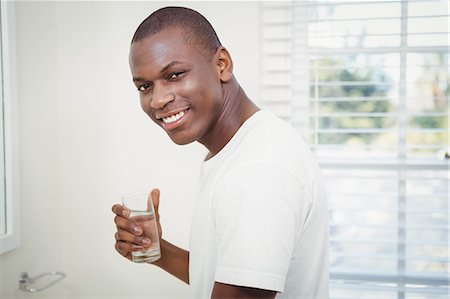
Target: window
point(2, 161)
point(9, 209)
point(366, 83)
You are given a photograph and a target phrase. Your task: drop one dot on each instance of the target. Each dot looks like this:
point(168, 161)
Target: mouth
point(173, 120)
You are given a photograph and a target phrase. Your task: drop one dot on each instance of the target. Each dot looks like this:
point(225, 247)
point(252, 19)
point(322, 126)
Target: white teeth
point(175, 117)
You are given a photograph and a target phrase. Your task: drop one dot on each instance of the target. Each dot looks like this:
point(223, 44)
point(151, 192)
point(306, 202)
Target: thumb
point(155, 198)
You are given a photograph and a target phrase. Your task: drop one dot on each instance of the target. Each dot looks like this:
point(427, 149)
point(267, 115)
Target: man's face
point(179, 88)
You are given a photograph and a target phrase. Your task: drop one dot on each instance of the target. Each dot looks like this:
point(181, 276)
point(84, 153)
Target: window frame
point(11, 239)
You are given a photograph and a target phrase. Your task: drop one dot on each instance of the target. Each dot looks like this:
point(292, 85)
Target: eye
point(175, 75)
point(144, 87)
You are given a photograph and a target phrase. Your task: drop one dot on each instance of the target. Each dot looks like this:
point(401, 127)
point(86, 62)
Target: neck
point(236, 109)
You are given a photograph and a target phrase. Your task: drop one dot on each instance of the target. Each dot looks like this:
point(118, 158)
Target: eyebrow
point(175, 62)
point(164, 69)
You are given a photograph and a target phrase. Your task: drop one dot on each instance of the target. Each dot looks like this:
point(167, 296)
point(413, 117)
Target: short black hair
point(197, 29)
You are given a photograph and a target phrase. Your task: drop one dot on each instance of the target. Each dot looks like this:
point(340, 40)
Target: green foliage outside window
point(363, 102)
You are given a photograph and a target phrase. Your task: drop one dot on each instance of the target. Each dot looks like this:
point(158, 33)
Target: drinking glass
point(142, 213)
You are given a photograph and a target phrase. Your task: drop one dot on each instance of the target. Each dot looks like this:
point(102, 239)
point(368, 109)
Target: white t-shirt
point(261, 218)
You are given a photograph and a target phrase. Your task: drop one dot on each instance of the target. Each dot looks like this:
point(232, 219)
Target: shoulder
point(267, 144)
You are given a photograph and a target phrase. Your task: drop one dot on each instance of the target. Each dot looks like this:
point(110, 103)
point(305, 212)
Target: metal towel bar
point(26, 282)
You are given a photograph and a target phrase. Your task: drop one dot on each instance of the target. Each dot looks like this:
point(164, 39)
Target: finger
point(126, 249)
point(155, 198)
point(127, 225)
point(120, 210)
point(124, 236)
point(123, 248)
point(120, 250)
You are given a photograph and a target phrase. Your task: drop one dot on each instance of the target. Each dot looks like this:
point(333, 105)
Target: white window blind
point(367, 84)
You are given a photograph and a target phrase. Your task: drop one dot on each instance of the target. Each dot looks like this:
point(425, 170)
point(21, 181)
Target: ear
point(224, 64)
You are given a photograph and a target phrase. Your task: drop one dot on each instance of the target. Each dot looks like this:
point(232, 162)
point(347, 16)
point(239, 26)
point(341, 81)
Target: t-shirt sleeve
point(259, 212)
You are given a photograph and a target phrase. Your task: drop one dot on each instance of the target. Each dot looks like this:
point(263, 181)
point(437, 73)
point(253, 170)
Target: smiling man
point(260, 226)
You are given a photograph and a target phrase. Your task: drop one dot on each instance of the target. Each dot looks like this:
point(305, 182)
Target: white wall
point(39, 147)
point(85, 141)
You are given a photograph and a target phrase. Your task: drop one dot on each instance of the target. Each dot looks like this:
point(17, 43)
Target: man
point(260, 227)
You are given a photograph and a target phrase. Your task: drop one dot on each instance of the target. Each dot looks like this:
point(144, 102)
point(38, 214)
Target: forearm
point(174, 260)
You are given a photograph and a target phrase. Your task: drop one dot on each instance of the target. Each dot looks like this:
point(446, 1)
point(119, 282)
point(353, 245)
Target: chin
point(182, 140)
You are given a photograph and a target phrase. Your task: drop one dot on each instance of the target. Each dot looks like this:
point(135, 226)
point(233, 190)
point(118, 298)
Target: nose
point(160, 97)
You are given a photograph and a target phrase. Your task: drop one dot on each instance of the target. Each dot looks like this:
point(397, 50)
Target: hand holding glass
point(142, 213)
